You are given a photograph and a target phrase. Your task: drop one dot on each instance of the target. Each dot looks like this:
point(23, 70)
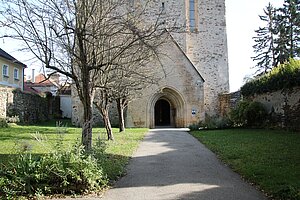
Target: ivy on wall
point(284, 76)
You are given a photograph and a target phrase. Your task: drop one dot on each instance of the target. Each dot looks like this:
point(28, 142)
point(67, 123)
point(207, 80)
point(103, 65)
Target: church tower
point(204, 41)
point(195, 68)
point(199, 66)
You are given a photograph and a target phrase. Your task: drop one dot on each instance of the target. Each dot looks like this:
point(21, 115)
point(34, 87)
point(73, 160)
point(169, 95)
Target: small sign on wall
point(193, 112)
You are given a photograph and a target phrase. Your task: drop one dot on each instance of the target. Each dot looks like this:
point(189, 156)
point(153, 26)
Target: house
point(43, 85)
point(52, 87)
point(12, 71)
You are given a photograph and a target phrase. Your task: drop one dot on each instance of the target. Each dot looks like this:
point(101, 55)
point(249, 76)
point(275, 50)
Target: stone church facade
point(196, 69)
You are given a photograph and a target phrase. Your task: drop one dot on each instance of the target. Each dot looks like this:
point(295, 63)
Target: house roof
point(5, 55)
point(42, 81)
point(44, 84)
point(29, 89)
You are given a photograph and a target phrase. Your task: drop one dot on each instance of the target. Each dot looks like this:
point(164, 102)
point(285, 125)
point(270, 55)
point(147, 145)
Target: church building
point(196, 69)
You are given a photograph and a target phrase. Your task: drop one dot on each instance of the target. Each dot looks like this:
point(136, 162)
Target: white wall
point(66, 106)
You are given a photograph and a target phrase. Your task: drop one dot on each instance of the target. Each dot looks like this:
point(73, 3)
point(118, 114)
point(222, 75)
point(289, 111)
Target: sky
point(242, 18)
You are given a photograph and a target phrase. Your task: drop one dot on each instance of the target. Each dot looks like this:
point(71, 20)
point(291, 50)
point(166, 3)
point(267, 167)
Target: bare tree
point(133, 43)
point(61, 36)
point(86, 41)
point(129, 85)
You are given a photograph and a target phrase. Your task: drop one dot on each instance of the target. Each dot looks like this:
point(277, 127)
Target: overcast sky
point(242, 19)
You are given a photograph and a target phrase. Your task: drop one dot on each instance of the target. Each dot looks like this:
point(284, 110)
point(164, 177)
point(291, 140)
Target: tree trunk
point(87, 128)
point(87, 124)
point(86, 100)
point(121, 115)
point(107, 124)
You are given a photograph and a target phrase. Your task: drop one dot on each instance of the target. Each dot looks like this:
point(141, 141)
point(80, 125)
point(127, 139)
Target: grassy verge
point(42, 139)
point(270, 159)
point(120, 150)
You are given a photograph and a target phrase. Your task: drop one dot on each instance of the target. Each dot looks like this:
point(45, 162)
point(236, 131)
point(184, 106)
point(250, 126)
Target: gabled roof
point(185, 56)
point(44, 84)
point(29, 89)
point(5, 55)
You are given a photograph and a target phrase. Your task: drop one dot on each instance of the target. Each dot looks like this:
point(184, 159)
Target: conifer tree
point(288, 22)
point(264, 47)
point(279, 40)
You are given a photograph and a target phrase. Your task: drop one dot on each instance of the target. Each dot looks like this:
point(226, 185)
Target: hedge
point(285, 76)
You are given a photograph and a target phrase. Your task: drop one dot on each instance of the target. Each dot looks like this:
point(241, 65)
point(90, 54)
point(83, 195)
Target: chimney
point(32, 76)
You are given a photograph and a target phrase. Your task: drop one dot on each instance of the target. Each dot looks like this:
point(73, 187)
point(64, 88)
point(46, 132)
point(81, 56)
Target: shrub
point(216, 122)
point(237, 115)
point(3, 123)
point(249, 114)
point(13, 119)
point(212, 122)
point(72, 172)
point(59, 172)
point(255, 114)
point(284, 76)
point(194, 127)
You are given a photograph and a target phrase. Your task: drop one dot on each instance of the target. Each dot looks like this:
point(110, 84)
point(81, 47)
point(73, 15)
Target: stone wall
point(77, 112)
point(206, 46)
point(30, 108)
point(228, 101)
point(283, 107)
point(3, 101)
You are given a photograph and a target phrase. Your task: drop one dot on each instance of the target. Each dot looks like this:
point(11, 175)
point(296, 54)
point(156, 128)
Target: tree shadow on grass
point(114, 166)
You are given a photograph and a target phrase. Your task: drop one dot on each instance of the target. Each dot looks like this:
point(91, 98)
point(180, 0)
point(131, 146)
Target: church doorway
point(162, 113)
point(166, 109)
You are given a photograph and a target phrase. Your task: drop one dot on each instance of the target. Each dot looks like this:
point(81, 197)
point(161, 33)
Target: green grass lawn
point(16, 138)
point(269, 159)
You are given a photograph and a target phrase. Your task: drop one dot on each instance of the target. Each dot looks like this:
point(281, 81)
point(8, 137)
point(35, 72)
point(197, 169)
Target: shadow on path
point(171, 164)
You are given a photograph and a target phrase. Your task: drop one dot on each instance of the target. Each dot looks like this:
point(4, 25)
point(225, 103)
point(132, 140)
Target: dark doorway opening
point(162, 113)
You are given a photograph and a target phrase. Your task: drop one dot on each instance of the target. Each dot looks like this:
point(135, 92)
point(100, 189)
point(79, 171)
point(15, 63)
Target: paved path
point(171, 164)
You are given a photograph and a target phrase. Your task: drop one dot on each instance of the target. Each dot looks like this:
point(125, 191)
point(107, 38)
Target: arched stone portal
point(167, 109)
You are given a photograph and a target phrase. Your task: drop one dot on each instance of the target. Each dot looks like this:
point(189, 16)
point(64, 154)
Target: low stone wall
point(29, 108)
point(283, 107)
point(3, 101)
point(77, 113)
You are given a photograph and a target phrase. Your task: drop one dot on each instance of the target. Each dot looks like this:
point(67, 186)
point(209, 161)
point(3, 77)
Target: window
point(5, 70)
point(16, 74)
point(163, 6)
point(192, 15)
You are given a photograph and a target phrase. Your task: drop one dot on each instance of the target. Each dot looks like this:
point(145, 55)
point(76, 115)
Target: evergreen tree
point(288, 26)
point(264, 47)
point(279, 40)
